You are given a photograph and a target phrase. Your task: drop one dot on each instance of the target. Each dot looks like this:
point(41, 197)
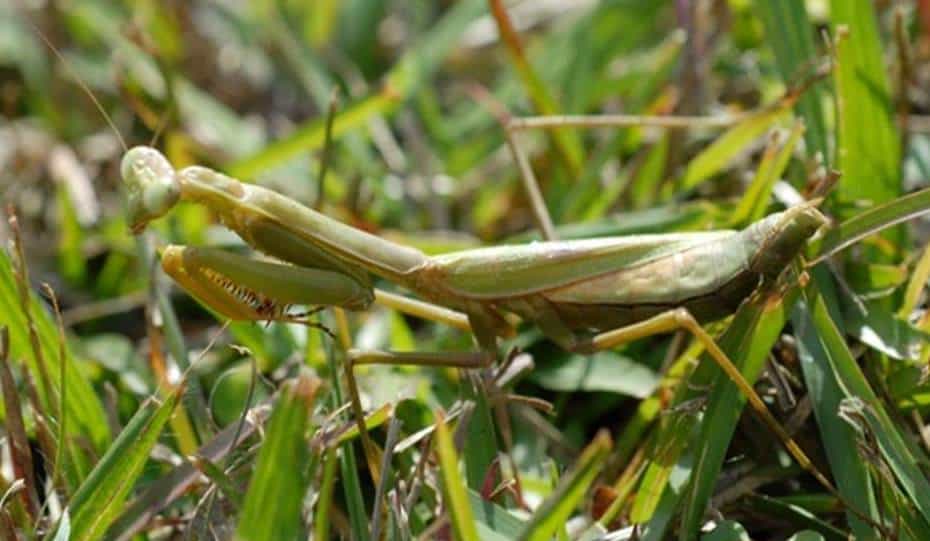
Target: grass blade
point(324, 503)
point(99, 500)
point(20, 452)
point(453, 487)
point(572, 489)
point(493, 521)
point(733, 142)
point(85, 412)
point(916, 284)
point(756, 199)
point(404, 78)
point(348, 466)
point(176, 483)
point(851, 473)
point(567, 142)
point(273, 503)
point(790, 35)
point(874, 220)
point(894, 447)
point(662, 462)
point(869, 151)
point(748, 341)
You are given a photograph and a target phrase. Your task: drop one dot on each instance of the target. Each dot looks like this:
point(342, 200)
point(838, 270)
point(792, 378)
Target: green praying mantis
point(585, 295)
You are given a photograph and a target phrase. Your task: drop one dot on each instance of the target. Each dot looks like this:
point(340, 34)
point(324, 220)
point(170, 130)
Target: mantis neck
point(286, 229)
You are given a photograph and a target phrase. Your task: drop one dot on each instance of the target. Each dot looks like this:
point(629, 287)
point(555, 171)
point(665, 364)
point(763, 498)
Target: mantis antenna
point(79, 82)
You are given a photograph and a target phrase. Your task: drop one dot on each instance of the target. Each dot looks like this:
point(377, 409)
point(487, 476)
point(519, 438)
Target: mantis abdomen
point(604, 283)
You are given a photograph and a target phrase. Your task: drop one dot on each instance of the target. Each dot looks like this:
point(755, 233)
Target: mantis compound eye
point(151, 185)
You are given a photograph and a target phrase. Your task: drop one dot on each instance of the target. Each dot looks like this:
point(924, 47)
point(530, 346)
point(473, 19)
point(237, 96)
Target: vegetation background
point(133, 413)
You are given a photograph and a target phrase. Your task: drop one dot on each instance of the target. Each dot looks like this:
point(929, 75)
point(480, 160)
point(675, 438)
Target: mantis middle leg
point(481, 326)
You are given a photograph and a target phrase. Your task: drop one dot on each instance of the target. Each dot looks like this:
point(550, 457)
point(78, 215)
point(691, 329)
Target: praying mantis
point(585, 295)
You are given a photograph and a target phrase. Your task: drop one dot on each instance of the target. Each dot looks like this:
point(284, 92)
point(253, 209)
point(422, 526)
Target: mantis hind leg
point(681, 319)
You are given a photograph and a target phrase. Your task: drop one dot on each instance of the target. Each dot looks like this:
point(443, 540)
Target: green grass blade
point(481, 445)
point(789, 32)
point(644, 82)
point(372, 420)
point(274, 501)
point(649, 176)
point(72, 261)
point(173, 485)
point(311, 135)
point(101, 497)
point(493, 521)
point(875, 219)
point(875, 326)
point(851, 473)
point(869, 153)
point(774, 161)
point(324, 503)
point(566, 142)
point(348, 466)
point(453, 487)
point(662, 462)
point(916, 284)
point(412, 70)
point(728, 146)
point(552, 514)
point(85, 412)
point(893, 445)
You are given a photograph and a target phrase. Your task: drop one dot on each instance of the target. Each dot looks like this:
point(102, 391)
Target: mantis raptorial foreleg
point(245, 288)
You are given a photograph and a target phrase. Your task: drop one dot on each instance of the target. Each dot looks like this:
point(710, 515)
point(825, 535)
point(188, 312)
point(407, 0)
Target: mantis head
point(152, 187)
